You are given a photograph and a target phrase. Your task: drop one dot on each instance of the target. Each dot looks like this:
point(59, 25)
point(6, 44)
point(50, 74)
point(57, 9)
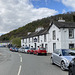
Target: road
point(14, 63)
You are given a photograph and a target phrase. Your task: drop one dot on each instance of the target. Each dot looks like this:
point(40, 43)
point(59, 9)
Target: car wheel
point(63, 66)
point(52, 61)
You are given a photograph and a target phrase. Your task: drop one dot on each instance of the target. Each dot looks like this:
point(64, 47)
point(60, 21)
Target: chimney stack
point(61, 20)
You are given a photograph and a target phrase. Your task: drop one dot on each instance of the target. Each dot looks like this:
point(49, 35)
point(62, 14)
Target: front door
point(54, 46)
point(46, 46)
point(35, 45)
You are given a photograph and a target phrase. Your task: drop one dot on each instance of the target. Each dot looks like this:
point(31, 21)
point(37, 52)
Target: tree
point(16, 41)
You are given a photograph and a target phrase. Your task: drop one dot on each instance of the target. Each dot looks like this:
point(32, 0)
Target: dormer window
point(39, 29)
point(71, 33)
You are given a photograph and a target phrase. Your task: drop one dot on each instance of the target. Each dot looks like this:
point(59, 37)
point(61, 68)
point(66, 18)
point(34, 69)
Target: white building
point(59, 35)
point(4, 44)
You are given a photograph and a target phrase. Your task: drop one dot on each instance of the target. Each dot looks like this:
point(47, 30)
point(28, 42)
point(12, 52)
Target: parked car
point(31, 51)
point(16, 49)
point(72, 67)
point(62, 57)
point(11, 48)
point(26, 49)
point(21, 50)
point(39, 51)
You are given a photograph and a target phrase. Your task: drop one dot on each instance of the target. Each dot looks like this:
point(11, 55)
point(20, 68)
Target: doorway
point(35, 45)
point(54, 46)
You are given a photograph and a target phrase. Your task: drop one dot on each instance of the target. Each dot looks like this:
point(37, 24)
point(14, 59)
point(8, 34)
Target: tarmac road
point(14, 63)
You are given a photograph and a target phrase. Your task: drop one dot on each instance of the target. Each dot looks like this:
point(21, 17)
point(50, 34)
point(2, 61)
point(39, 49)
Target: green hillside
point(30, 27)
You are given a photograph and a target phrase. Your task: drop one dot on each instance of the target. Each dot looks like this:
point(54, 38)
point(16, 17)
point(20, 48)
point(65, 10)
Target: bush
point(72, 48)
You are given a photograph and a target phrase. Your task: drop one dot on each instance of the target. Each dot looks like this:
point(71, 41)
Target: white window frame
point(71, 33)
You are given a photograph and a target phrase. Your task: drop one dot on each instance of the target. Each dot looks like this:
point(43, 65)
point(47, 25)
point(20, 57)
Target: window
point(26, 40)
point(23, 40)
point(38, 38)
point(29, 40)
point(32, 39)
point(44, 38)
point(42, 45)
point(29, 45)
point(54, 35)
point(56, 51)
point(71, 33)
point(71, 45)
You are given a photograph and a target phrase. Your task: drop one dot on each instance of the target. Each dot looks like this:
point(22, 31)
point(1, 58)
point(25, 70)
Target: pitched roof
point(33, 34)
point(58, 24)
point(41, 32)
point(64, 24)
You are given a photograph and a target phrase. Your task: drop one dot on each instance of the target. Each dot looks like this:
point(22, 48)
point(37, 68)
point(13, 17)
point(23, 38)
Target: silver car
point(21, 50)
point(62, 57)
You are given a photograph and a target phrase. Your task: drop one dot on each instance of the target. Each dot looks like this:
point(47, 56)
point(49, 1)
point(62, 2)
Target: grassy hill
point(30, 27)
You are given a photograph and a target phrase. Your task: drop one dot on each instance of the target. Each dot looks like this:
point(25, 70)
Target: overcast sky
point(17, 13)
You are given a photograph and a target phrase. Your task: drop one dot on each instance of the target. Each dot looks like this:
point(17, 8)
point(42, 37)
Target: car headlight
point(67, 61)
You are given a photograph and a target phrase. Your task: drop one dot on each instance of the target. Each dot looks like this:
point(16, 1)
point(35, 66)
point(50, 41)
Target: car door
point(55, 56)
point(59, 56)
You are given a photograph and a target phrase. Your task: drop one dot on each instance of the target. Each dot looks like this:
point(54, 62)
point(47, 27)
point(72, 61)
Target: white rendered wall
point(58, 36)
point(65, 38)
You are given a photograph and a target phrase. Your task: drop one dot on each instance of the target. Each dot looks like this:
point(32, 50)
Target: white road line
point(19, 55)
point(20, 59)
point(19, 70)
point(20, 65)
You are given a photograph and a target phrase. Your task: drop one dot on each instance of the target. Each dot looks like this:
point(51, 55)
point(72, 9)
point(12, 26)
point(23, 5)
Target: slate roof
point(33, 34)
point(65, 24)
point(58, 24)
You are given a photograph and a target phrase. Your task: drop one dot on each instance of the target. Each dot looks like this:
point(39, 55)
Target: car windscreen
point(42, 48)
point(26, 47)
point(32, 49)
point(65, 52)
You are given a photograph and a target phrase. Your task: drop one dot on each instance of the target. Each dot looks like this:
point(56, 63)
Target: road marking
point(19, 55)
point(20, 59)
point(20, 65)
point(19, 70)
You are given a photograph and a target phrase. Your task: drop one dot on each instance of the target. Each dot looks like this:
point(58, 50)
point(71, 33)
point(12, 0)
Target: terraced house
point(59, 35)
